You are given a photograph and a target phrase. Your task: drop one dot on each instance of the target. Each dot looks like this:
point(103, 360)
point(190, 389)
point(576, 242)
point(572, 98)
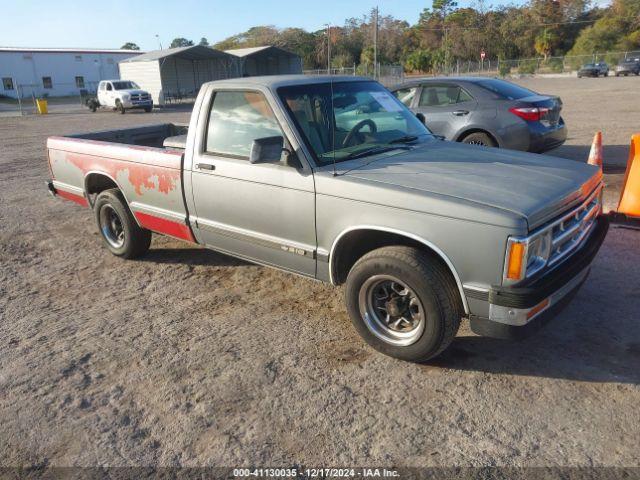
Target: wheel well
point(466, 133)
point(357, 243)
point(95, 183)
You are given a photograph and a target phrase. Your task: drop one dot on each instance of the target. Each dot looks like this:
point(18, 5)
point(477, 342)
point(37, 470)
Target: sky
point(111, 23)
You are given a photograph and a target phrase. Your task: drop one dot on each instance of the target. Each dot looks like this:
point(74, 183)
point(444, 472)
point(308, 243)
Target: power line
point(528, 25)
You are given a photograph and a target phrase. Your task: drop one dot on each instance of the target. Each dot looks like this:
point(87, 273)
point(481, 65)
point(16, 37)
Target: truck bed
point(132, 159)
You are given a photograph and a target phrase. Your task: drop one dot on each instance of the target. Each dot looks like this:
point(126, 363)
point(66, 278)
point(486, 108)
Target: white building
point(57, 71)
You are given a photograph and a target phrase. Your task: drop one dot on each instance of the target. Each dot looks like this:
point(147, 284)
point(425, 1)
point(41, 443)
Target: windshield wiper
point(405, 139)
point(369, 151)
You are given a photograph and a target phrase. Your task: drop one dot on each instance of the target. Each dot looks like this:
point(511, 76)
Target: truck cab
point(123, 95)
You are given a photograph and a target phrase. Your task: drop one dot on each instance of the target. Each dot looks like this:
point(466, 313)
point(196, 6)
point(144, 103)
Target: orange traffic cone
point(629, 204)
point(595, 155)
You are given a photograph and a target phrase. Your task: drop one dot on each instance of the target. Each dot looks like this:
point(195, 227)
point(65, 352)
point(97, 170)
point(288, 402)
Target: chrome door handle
point(460, 113)
point(205, 166)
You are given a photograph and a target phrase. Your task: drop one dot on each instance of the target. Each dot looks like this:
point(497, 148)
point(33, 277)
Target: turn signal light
point(516, 261)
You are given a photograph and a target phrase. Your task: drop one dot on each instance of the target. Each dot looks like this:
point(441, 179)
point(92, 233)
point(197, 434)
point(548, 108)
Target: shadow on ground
point(614, 156)
point(191, 256)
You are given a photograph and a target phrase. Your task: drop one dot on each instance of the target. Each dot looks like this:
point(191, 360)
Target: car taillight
point(531, 114)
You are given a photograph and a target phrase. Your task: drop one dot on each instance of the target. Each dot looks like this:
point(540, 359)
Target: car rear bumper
point(515, 312)
point(544, 138)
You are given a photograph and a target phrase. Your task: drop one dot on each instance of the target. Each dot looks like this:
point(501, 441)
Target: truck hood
point(528, 185)
point(134, 92)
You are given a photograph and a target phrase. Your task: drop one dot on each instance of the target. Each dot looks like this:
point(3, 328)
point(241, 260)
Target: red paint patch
point(79, 199)
point(166, 227)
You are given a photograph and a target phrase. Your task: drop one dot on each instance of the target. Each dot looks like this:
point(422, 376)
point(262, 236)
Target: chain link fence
point(388, 75)
point(531, 66)
point(60, 97)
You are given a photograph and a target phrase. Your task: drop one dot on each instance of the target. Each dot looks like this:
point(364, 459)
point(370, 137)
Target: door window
point(80, 82)
point(7, 83)
point(47, 82)
point(237, 119)
point(109, 87)
point(442, 95)
point(406, 95)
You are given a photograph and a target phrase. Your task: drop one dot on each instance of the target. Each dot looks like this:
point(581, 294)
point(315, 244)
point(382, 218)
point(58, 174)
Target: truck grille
point(571, 229)
point(137, 97)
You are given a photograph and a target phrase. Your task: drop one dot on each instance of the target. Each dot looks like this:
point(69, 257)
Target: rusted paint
point(140, 175)
point(164, 226)
point(80, 200)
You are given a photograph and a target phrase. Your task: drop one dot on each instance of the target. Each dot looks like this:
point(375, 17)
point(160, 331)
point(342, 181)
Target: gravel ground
point(190, 358)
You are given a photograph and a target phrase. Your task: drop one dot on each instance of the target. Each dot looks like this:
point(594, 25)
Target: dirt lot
point(192, 358)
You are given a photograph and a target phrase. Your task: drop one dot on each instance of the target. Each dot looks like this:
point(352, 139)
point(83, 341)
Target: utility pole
point(159, 42)
point(328, 48)
point(375, 44)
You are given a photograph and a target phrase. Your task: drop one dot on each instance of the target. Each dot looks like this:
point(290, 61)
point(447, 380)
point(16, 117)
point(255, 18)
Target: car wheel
point(404, 303)
point(120, 107)
point(479, 138)
point(120, 232)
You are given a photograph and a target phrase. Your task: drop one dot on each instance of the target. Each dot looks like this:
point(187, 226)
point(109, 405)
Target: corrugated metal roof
point(68, 50)
point(196, 52)
point(247, 52)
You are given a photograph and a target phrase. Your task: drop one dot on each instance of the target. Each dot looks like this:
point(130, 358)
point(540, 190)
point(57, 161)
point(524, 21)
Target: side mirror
point(421, 118)
point(266, 150)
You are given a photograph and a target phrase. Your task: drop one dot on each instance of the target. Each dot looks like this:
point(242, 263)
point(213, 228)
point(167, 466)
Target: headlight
point(525, 257)
point(126, 96)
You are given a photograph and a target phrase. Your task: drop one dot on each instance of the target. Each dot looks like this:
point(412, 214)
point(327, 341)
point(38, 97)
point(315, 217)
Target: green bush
point(527, 67)
point(504, 69)
point(555, 65)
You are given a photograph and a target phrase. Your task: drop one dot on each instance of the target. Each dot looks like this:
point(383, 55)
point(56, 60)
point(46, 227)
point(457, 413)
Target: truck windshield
point(127, 85)
point(360, 119)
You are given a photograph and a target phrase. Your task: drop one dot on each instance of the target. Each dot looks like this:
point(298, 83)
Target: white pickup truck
point(120, 95)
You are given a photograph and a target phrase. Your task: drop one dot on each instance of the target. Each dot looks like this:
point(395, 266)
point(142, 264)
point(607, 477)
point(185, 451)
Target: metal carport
point(178, 72)
point(267, 60)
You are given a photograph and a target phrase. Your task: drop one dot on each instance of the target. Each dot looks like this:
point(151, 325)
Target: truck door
point(446, 108)
point(105, 94)
point(263, 212)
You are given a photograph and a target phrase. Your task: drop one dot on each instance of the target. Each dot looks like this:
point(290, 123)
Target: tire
point(434, 298)
point(479, 138)
point(148, 109)
point(119, 230)
point(120, 107)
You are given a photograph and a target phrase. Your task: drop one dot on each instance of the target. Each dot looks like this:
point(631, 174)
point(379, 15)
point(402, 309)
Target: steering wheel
point(356, 129)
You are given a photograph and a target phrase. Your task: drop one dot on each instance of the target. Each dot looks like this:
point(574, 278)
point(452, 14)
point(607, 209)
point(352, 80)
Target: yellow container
point(42, 106)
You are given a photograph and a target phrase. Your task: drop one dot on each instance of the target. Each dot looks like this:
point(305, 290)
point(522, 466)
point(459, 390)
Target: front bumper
point(515, 312)
point(137, 103)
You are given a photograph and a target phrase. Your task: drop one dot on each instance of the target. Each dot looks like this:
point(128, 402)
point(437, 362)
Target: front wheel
point(120, 107)
point(119, 230)
point(404, 303)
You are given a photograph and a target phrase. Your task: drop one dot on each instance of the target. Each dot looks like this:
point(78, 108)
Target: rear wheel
point(119, 230)
point(479, 138)
point(403, 303)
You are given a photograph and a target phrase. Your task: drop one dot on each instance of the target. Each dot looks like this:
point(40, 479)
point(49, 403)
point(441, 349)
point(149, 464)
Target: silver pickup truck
point(336, 180)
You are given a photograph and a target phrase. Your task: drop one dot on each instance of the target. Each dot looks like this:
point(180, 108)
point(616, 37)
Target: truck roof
point(276, 81)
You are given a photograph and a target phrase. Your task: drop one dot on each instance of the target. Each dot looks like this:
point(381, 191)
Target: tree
point(129, 46)
point(418, 61)
point(180, 42)
point(545, 43)
point(204, 42)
